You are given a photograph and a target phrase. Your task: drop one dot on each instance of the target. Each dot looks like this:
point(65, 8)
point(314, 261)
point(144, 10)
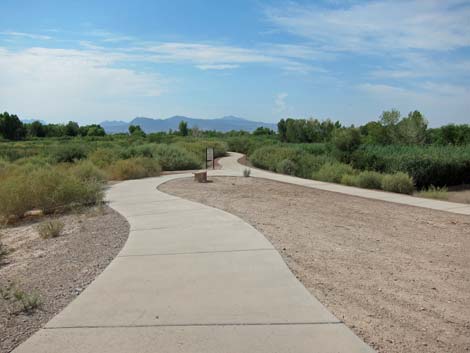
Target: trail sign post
point(210, 156)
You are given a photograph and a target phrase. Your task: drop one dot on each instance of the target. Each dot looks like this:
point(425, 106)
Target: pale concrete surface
point(231, 165)
point(192, 278)
point(199, 339)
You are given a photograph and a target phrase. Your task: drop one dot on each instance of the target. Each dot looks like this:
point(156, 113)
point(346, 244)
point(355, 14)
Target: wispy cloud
point(26, 35)
point(217, 66)
point(380, 25)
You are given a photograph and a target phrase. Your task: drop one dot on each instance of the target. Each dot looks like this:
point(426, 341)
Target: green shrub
point(28, 301)
point(134, 168)
point(350, 180)
point(145, 150)
point(333, 172)
point(68, 153)
point(4, 166)
point(246, 172)
point(103, 157)
point(51, 189)
point(3, 251)
point(176, 158)
point(269, 157)
point(399, 182)
point(435, 192)
point(246, 144)
point(427, 165)
point(286, 166)
point(86, 171)
point(50, 229)
point(307, 164)
point(198, 147)
point(369, 180)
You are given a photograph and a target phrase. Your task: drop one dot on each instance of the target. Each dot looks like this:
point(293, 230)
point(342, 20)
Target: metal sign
point(210, 156)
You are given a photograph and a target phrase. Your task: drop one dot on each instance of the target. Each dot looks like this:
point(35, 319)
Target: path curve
point(231, 165)
point(192, 278)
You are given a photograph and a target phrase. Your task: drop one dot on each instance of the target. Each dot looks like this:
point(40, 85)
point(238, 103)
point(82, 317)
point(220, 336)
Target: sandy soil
point(398, 276)
point(461, 196)
point(56, 269)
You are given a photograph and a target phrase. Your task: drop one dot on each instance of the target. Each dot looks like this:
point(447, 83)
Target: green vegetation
point(398, 182)
point(333, 172)
point(246, 172)
point(50, 229)
point(3, 250)
point(134, 168)
point(435, 192)
point(55, 168)
point(26, 302)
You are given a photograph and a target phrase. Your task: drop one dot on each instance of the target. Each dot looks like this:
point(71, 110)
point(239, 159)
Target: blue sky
point(90, 61)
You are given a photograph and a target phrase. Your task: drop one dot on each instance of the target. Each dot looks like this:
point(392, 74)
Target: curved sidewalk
point(230, 164)
point(190, 279)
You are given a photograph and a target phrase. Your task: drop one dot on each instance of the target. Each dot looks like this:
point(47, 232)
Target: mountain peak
point(149, 125)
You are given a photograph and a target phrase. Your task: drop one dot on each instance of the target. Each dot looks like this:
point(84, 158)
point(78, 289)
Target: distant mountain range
point(224, 124)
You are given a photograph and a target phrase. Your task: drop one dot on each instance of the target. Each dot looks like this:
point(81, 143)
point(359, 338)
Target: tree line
point(12, 128)
point(390, 129)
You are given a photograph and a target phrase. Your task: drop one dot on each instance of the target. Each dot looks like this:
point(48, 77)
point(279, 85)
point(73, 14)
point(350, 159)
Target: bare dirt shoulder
point(56, 270)
point(397, 275)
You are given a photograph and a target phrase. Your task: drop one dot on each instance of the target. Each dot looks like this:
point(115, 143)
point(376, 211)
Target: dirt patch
point(56, 269)
point(396, 275)
point(461, 196)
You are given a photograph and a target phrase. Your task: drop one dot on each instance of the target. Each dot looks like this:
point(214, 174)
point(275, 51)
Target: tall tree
point(11, 127)
point(72, 129)
point(183, 128)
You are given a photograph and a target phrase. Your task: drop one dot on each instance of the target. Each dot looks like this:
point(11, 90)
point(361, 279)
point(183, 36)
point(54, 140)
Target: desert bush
point(86, 171)
point(3, 251)
point(286, 166)
point(269, 157)
point(50, 229)
point(246, 172)
point(369, 180)
point(307, 164)
point(134, 168)
point(246, 144)
point(176, 158)
point(68, 153)
point(333, 172)
point(28, 301)
point(4, 166)
point(51, 189)
point(349, 180)
point(103, 157)
point(145, 150)
point(435, 192)
point(399, 182)
point(198, 147)
point(316, 149)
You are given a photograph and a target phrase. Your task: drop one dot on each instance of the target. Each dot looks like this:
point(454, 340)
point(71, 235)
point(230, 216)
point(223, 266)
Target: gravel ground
point(56, 269)
point(396, 275)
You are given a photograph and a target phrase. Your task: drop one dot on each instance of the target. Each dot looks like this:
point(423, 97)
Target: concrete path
point(230, 165)
point(192, 279)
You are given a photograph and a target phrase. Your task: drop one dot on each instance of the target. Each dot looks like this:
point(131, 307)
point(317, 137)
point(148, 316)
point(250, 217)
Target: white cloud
point(217, 66)
point(205, 53)
point(380, 25)
point(58, 82)
point(26, 35)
